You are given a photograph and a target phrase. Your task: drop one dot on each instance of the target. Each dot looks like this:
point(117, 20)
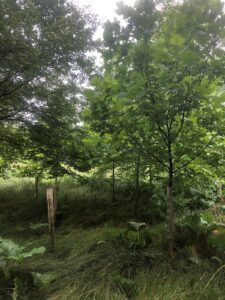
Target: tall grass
point(90, 264)
point(17, 201)
point(95, 264)
point(86, 204)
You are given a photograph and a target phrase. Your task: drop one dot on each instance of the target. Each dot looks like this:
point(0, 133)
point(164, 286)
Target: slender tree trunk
point(113, 182)
point(220, 192)
point(170, 205)
point(56, 191)
point(150, 175)
point(36, 188)
point(137, 188)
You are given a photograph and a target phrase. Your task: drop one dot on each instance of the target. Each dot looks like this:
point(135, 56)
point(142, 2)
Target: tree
point(114, 148)
point(11, 147)
point(165, 68)
point(55, 138)
point(39, 39)
point(42, 44)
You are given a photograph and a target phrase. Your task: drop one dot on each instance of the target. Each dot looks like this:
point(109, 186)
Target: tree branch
point(197, 155)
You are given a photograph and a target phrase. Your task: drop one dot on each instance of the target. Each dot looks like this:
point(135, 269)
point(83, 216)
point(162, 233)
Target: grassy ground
point(94, 264)
point(96, 260)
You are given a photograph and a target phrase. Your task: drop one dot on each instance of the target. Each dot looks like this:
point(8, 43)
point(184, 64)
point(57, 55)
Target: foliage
point(86, 268)
point(135, 237)
point(134, 226)
point(159, 84)
point(39, 40)
point(11, 252)
point(44, 59)
point(43, 279)
point(142, 140)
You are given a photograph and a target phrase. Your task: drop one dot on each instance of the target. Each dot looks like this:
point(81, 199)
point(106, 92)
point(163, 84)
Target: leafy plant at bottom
point(12, 252)
point(43, 279)
point(133, 237)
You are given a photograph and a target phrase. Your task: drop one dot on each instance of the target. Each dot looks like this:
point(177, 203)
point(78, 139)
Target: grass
point(93, 264)
point(86, 205)
point(92, 260)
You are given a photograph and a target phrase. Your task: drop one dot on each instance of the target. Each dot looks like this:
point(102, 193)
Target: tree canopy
point(163, 82)
point(155, 108)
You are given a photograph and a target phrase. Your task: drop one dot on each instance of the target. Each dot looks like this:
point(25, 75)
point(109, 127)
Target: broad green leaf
point(176, 40)
point(134, 226)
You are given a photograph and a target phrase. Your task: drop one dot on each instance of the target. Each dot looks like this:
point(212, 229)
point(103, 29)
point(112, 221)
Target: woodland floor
point(94, 264)
point(94, 259)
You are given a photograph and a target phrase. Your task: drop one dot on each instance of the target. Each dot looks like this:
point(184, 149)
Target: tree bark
point(220, 192)
point(113, 182)
point(150, 175)
point(170, 208)
point(36, 188)
point(137, 188)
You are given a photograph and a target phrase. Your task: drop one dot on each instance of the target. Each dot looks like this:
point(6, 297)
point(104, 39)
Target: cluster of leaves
point(154, 113)
point(162, 91)
point(43, 61)
point(11, 252)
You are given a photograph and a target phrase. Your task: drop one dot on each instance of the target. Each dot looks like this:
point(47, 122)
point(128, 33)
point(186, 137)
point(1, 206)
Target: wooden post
point(51, 216)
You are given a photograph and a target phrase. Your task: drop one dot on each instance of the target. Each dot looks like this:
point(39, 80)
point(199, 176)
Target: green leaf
point(12, 251)
point(176, 40)
point(38, 226)
point(45, 279)
point(193, 259)
point(133, 226)
point(34, 251)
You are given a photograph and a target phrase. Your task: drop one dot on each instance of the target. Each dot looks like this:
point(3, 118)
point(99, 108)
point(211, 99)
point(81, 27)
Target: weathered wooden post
point(51, 216)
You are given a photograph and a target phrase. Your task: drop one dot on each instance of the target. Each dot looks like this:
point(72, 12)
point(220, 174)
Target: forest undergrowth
point(106, 259)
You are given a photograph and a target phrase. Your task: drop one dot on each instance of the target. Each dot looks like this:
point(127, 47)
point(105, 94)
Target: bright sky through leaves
point(105, 9)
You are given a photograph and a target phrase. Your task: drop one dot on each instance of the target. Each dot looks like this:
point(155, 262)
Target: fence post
point(51, 217)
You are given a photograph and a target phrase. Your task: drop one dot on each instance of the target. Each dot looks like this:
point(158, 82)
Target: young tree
point(165, 67)
point(114, 148)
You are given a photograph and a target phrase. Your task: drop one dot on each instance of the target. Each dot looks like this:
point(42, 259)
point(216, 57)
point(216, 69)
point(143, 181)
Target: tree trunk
point(36, 188)
point(170, 206)
point(137, 188)
point(220, 192)
point(56, 191)
point(113, 182)
point(150, 175)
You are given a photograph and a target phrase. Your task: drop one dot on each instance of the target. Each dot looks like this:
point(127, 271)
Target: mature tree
point(38, 39)
point(55, 136)
point(53, 143)
point(43, 44)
